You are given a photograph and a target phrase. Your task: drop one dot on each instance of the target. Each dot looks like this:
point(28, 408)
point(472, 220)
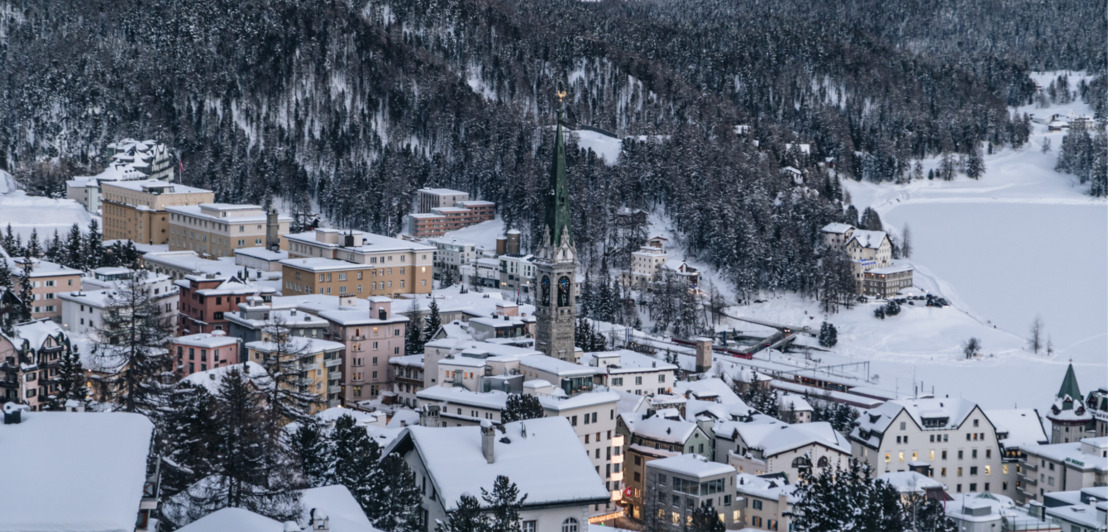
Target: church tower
point(556, 264)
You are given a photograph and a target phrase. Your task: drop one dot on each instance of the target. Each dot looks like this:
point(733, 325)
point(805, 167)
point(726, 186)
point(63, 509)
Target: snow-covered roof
point(543, 457)
point(101, 456)
point(561, 403)
point(555, 366)
point(895, 268)
point(411, 361)
point(323, 264)
point(297, 344)
point(40, 268)
point(776, 438)
point(707, 389)
point(143, 185)
point(1071, 453)
point(1022, 427)
point(868, 239)
point(36, 332)
point(492, 400)
point(209, 340)
point(661, 429)
point(909, 481)
point(340, 507)
point(442, 192)
point(627, 361)
point(212, 378)
point(358, 317)
point(237, 519)
point(764, 488)
point(692, 465)
point(262, 253)
point(944, 414)
point(796, 402)
point(364, 242)
point(837, 228)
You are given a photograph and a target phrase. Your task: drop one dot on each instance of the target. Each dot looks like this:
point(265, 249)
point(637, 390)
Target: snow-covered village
point(568, 266)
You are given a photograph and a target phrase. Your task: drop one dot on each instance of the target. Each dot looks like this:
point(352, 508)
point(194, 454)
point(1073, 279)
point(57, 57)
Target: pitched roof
point(1069, 386)
point(547, 463)
point(868, 239)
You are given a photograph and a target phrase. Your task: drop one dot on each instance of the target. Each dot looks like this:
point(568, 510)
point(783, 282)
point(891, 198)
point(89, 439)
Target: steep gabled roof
point(1069, 386)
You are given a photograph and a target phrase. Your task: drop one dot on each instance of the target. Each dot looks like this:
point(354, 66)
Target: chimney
point(703, 354)
point(272, 228)
point(13, 414)
point(513, 242)
point(488, 436)
point(348, 240)
point(319, 522)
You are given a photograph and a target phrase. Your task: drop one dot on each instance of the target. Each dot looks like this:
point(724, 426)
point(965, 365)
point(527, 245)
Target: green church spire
point(1069, 385)
point(557, 199)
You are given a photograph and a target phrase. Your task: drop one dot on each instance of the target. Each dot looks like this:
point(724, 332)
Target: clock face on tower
point(563, 291)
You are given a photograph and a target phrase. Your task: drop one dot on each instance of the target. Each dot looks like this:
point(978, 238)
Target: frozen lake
point(1008, 262)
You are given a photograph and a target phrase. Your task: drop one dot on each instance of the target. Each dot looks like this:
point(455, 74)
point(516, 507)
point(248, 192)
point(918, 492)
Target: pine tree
point(9, 242)
point(846, 499)
point(433, 322)
point(927, 515)
point(467, 517)
point(74, 255)
point(520, 407)
point(871, 221)
point(93, 246)
point(828, 335)
point(413, 343)
point(5, 274)
point(26, 295)
point(355, 458)
point(132, 348)
point(187, 431)
point(34, 248)
point(975, 165)
point(285, 402)
point(399, 498)
point(311, 451)
point(971, 347)
point(70, 380)
point(54, 249)
point(504, 503)
point(705, 519)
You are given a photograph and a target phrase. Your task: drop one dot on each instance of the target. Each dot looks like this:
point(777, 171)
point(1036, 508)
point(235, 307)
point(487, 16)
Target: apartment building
point(205, 300)
point(1065, 466)
point(766, 446)
point(652, 438)
point(407, 372)
point(767, 502)
point(48, 281)
point(135, 210)
point(678, 485)
point(949, 439)
point(83, 310)
point(451, 254)
point(440, 210)
point(194, 353)
point(631, 372)
point(541, 456)
point(328, 261)
point(317, 364)
point(217, 229)
point(369, 340)
point(29, 361)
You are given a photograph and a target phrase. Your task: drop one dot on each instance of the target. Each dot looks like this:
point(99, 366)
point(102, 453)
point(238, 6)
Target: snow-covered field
point(26, 213)
point(1022, 241)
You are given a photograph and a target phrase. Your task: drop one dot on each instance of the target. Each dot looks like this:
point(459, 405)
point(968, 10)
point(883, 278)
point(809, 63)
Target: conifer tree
point(74, 254)
point(355, 458)
point(70, 380)
point(467, 517)
point(413, 343)
point(26, 296)
point(520, 407)
point(311, 450)
point(433, 322)
point(828, 335)
point(705, 519)
point(93, 246)
point(975, 164)
point(398, 498)
point(132, 348)
point(5, 274)
point(846, 499)
point(187, 431)
point(54, 249)
point(34, 247)
point(9, 241)
point(504, 503)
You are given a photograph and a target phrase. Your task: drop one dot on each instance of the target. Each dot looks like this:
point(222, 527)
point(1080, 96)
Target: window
point(662, 378)
point(529, 526)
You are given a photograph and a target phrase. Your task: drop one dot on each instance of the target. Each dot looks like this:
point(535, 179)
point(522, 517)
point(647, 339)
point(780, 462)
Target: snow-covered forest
point(352, 106)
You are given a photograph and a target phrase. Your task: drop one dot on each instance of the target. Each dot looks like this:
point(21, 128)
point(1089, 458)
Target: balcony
point(304, 381)
point(309, 367)
point(334, 375)
point(332, 362)
point(334, 389)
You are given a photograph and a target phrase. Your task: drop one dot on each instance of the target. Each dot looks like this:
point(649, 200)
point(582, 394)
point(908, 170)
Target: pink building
point(203, 351)
point(205, 298)
point(371, 340)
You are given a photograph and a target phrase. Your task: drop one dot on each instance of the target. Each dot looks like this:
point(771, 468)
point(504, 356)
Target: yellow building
point(316, 363)
point(218, 229)
point(329, 261)
point(135, 210)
